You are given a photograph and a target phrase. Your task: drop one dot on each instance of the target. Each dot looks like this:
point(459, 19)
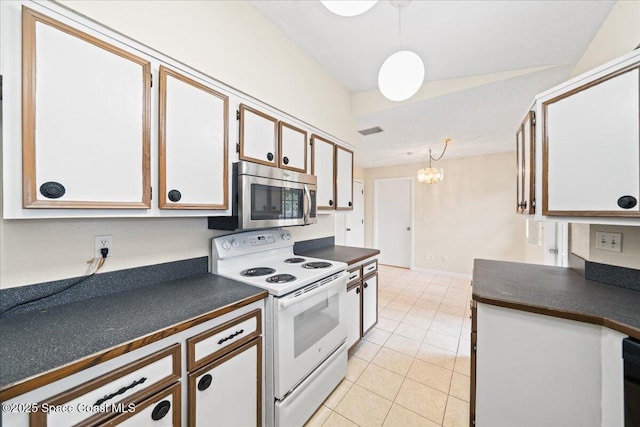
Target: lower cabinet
point(227, 392)
point(362, 301)
point(160, 410)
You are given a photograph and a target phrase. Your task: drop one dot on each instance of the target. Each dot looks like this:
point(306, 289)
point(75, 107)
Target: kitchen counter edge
point(557, 292)
point(349, 254)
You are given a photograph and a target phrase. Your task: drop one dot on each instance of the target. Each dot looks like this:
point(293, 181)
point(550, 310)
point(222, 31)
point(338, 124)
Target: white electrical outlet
point(444, 258)
point(428, 257)
point(609, 241)
point(102, 242)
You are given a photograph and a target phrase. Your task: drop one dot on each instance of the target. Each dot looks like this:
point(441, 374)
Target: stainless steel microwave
point(264, 196)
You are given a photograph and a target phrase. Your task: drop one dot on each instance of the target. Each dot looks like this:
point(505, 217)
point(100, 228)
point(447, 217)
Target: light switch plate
point(609, 241)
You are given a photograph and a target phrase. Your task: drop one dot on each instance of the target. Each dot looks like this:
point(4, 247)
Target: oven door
point(268, 202)
point(309, 326)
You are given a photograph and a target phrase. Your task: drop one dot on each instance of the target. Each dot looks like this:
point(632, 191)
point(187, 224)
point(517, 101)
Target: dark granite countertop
point(41, 341)
point(556, 291)
point(348, 254)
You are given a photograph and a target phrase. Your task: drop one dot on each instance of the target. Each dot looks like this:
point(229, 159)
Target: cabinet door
point(193, 144)
point(160, 410)
point(353, 315)
point(228, 391)
point(344, 178)
point(292, 147)
point(322, 166)
point(369, 303)
point(592, 149)
point(86, 118)
point(258, 136)
point(525, 138)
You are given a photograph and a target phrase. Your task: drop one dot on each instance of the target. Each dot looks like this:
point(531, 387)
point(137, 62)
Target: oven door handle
point(287, 302)
point(307, 204)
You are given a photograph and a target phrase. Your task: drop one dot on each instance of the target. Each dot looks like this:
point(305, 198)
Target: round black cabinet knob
point(52, 190)
point(175, 196)
point(205, 382)
point(330, 202)
point(366, 285)
point(285, 160)
point(350, 204)
point(270, 156)
point(160, 410)
point(357, 290)
point(627, 202)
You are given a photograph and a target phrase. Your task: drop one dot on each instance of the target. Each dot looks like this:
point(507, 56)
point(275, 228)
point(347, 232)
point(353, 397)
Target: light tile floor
point(413, 368)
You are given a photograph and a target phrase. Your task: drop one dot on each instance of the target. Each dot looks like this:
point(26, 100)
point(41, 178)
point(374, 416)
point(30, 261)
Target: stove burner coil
point(295, 260)
point(258, 271)
point(281, 278)
point(317, 264)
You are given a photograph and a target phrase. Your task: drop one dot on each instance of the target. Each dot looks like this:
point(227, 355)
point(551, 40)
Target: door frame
point(411, 216)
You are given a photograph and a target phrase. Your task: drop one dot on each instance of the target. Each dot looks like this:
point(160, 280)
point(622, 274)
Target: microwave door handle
point(307, 205)
point(283, 304)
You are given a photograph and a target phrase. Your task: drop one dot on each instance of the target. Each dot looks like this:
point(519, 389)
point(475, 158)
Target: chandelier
point(431, 175)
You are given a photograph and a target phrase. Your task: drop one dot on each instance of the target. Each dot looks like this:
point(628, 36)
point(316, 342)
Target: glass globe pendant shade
point(401, 75)
point(347, 7)
point(430, 175)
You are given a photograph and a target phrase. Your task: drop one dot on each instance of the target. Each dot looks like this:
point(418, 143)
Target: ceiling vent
point(370, 131)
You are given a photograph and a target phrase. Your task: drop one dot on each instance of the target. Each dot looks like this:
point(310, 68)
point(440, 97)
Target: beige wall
point(470, 214)
point(227, 40)
point(583, 244)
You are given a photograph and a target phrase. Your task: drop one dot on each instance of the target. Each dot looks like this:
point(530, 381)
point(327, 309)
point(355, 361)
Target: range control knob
point(225, 245)
point(286, 236)
point(235, 243)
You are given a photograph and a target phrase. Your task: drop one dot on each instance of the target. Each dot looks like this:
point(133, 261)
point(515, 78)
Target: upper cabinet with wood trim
point(344, 178)
point(80, 151)
point(323, 167)
point(292, 147)
point(258, 136)
point(591, 147)
point(193, 144)
point(525, 151)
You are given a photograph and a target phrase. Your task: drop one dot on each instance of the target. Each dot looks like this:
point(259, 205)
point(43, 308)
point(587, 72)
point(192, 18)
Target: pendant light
point(402, 73)
point(347, 7)
point(431, 175)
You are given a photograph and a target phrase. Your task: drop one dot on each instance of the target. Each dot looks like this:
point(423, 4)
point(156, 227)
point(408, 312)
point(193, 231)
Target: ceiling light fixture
point(402, 73)
point(347, 7)
point(433, 175)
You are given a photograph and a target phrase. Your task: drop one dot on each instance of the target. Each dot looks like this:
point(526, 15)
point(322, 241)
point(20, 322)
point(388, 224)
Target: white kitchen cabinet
point(323, 166)
point(591, 144)
point(525, 152)
point(160, 410)
point(344, 178)
point(227, 392)
point(354, 292)
point(292, 147)
point(193, 144)
point(258, 136)
point(369, 302)
point(86, 119)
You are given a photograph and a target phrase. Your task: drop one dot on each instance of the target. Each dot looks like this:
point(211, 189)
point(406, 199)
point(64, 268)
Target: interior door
point(354, 220)
point(392, 232)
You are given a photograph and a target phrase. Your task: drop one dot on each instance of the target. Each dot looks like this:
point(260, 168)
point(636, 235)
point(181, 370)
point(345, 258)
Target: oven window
point(269, 202)
point(314, 323)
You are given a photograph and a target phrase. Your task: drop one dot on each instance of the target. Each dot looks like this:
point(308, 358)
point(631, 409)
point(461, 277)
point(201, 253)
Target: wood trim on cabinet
point(39, 418)
point(29, 190)
point(315, 137)
point(281, 165)
point(369, 276)
point(531, 121)
point(335, 177)
point(243, 108)
point(32, 383)
point(519, 168)
point(545, 147)
point(162, 142)
point(191, 390)
point(193, 364)
point(472, 382)
point(176, 407)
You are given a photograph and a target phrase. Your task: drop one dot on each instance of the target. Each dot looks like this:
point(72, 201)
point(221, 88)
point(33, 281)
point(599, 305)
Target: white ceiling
point(455, 39)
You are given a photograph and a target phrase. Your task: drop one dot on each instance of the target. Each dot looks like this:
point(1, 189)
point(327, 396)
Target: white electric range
point(305, 319)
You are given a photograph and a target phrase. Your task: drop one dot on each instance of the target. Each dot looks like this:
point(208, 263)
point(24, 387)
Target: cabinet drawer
point(208, 345)
point(369, 268)
point(353, 277)
point(161, 410)
point(128, 384)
